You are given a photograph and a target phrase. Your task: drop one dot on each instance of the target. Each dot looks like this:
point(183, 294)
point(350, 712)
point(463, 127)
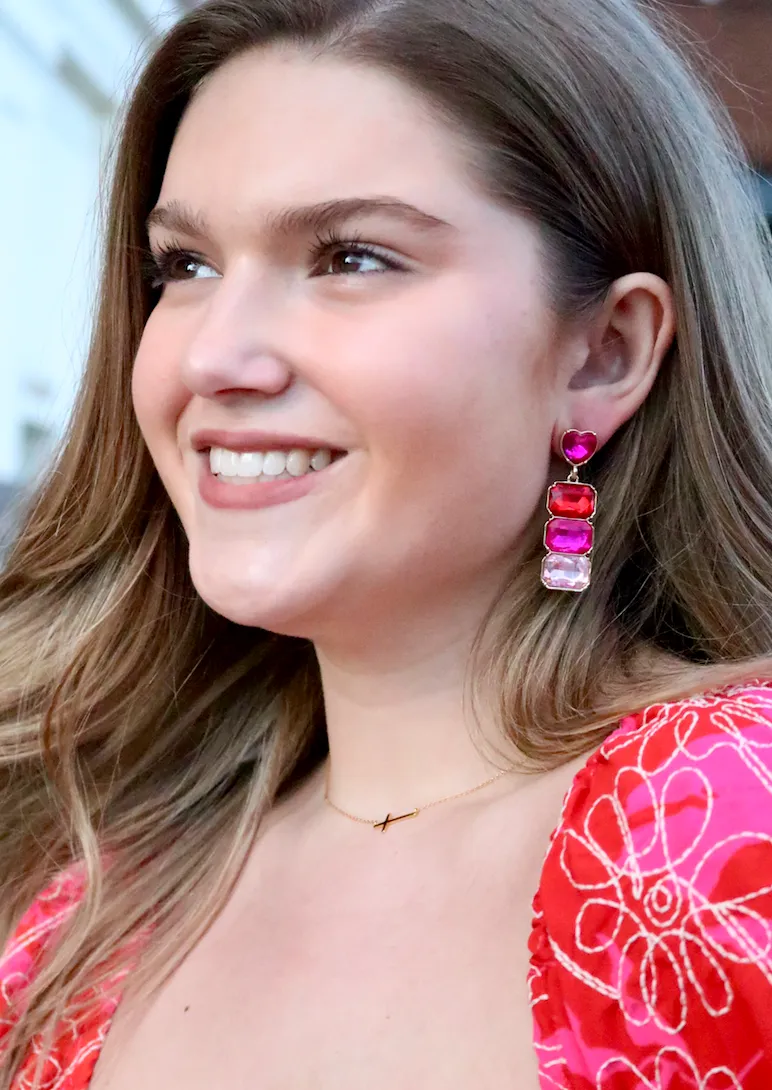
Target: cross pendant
point(389, 820)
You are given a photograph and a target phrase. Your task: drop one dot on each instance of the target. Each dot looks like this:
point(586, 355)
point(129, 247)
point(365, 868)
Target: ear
point(611, 374)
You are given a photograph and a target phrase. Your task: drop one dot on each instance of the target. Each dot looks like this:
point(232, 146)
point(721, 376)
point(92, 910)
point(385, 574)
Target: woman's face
point(333, 281)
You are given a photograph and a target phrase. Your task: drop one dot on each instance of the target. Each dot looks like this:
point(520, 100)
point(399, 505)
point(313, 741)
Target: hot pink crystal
point(565, 572)
point(568, 535)
point(578, 446)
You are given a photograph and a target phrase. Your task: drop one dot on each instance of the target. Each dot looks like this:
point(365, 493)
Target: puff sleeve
point(651, 948)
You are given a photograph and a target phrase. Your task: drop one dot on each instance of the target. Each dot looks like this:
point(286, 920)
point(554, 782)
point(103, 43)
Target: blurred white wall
point(64, 64)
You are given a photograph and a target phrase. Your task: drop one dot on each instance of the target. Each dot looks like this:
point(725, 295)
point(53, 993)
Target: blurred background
point(64, 67)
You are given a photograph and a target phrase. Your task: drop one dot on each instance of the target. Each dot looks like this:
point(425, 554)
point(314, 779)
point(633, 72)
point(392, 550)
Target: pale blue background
point(64, 64)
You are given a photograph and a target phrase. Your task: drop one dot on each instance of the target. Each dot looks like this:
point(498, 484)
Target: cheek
point(158, 394)
point(453, 382)
point(457, 420)
point(159, 399)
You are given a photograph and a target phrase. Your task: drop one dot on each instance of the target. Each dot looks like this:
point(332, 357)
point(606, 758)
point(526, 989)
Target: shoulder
point(682, 756)
point(654, 915)
point(678, 788)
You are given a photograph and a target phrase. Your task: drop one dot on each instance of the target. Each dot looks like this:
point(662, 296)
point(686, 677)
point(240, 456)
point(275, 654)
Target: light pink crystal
point(561, 571)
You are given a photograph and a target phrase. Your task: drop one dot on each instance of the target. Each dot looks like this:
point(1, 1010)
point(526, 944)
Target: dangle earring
point(569, 533)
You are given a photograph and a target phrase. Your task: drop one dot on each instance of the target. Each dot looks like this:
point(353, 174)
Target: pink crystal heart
point(578, 446)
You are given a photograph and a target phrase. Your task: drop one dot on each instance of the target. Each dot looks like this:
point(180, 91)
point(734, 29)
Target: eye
point(172, 264)
point(334, 256)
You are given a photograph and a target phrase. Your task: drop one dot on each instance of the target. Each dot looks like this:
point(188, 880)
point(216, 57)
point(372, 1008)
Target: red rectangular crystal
point(573, 501)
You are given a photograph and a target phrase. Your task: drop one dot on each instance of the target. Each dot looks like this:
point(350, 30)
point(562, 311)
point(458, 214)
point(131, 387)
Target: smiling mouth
point(259, 467)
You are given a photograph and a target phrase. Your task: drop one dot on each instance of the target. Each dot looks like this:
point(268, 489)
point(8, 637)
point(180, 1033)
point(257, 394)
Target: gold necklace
point(389, 820)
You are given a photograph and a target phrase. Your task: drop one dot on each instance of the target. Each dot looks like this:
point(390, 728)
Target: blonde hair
point(138, 726)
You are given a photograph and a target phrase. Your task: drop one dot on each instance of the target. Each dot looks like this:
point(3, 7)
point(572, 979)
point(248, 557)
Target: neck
point(401, 730)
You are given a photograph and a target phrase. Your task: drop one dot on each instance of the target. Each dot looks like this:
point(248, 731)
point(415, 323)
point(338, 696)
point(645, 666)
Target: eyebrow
point(178, 217)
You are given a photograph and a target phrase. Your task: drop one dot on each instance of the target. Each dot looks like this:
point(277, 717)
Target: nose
point(236, 346)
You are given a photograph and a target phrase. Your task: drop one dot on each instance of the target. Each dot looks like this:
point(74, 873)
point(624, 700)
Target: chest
point(368, 983)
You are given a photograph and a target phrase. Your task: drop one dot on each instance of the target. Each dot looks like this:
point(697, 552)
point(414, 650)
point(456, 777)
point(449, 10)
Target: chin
point(274, 607)
point(249, 607)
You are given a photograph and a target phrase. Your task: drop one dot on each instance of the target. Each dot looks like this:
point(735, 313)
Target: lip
point(243, 441)
point(251, 497)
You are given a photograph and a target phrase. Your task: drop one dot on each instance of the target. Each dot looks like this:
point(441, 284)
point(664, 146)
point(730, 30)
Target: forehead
point(281, 126)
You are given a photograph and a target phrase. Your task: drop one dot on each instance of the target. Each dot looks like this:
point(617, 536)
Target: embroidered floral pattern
point(78, 1043)
point(651, 948)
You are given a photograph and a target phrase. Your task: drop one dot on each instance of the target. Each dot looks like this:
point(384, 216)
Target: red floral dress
point(651, 948)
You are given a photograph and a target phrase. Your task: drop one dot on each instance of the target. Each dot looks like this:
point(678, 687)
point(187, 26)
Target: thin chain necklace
point(389, 820)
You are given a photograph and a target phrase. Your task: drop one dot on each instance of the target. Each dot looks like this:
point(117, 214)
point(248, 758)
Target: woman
point(320, 759)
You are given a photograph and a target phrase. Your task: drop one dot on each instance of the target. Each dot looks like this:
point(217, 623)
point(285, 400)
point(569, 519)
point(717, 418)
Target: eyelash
point(331, 240)
point(158, 264)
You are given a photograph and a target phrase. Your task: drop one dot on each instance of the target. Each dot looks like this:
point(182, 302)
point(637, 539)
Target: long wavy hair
point(144, 737)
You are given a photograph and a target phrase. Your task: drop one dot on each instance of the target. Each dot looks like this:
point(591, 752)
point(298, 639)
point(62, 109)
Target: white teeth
point(250, 464)
point(243, 467)
point(274, 463)
point(298, 463)
point(321, 459)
